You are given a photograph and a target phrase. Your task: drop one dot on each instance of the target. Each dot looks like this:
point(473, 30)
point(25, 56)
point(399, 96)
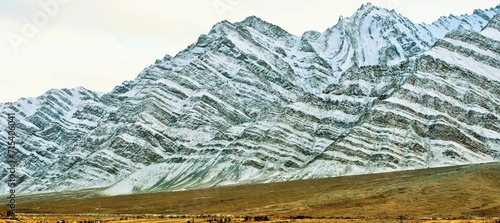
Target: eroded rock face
point(249, 102)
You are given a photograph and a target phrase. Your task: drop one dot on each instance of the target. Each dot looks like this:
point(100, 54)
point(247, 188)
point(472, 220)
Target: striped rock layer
point(250, 102)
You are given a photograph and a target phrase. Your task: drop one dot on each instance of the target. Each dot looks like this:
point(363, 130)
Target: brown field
point(205, 220)
point(464, 192)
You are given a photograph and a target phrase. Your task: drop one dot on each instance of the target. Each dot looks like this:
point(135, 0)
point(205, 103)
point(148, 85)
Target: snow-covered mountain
point(249, 102)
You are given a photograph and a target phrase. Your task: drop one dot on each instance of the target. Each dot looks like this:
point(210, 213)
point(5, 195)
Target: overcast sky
point(98, 44)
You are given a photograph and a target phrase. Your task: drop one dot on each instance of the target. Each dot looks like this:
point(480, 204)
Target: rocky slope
point(249, 102)
point(440, 108)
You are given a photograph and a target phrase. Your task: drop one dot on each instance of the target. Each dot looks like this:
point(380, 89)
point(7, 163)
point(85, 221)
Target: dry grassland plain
point(462, 193)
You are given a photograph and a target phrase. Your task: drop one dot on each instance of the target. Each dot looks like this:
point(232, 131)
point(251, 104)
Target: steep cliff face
point(249, 102)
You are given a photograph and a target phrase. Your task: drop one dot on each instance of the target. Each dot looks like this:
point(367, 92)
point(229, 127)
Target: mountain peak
point(218, 26)
point(368, 7)
point(263, 26)
point(252, 19)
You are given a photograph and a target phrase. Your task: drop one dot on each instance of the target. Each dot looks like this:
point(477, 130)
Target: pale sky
point(98, 44)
